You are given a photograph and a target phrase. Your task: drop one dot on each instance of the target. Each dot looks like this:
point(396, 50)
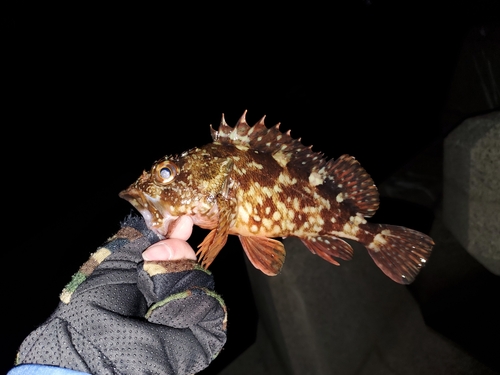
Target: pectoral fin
point(217, 238)
point(329, 248)
point(266, 254)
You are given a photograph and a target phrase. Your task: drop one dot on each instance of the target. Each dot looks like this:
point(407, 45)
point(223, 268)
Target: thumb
point(169, 249)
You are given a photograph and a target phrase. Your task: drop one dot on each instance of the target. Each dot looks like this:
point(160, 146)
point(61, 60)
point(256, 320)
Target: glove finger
point(114, 263)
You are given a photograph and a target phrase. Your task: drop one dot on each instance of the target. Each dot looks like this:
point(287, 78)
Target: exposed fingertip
point(158, 251)
point(182, 228)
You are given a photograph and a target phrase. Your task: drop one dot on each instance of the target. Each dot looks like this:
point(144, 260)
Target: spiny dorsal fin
point(267, 140)
point(351, 183)
point(345, 176)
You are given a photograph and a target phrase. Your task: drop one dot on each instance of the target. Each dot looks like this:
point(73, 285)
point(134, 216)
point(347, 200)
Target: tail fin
point(398, 251)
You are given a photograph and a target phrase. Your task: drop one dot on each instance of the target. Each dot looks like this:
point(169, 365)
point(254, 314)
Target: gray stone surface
point(316, 318)
point(471, 191)
point(475, 85)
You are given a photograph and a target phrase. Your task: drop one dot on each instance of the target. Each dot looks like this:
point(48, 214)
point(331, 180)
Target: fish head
point(180, 185)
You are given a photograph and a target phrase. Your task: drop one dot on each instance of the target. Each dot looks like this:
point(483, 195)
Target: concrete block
point(471, 191)
point(319, 319)
point(324, 319)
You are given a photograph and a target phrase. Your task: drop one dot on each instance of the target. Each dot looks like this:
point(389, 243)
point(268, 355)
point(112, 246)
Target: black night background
point(93, 95)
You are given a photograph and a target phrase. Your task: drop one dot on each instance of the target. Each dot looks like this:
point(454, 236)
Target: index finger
point(181, 228)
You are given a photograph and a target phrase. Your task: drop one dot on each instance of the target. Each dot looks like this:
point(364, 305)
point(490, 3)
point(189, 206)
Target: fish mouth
point(156, 218)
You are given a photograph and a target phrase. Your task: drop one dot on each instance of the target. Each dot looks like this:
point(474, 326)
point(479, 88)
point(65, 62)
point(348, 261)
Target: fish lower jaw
point(158, 225)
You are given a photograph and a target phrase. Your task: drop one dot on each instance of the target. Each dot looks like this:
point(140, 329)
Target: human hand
point(132, 312)
point(175, 247)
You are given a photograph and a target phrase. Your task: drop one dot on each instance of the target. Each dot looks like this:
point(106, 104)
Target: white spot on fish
point(340, 197)
point(378, 240)
point(251, 191)
point(324, 203)
point(350, 229)
point(268, 192)
point(281, 206)
point(255, 165)
point(259, 199)
point(311, 209)
point(277, 188)
point(267, 223)
point(235, 136)
point(315, 179)
point(317, 228)
point(248, 207)
point(282, 158)
point(285, 179)
point(358, 219)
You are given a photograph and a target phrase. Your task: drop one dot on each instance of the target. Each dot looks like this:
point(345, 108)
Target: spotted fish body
point(259, 183)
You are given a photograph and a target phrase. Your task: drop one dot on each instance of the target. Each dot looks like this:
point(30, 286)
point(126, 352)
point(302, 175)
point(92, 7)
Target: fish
point(261, 185)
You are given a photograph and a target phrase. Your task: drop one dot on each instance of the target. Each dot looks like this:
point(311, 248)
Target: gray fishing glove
point(121, 315)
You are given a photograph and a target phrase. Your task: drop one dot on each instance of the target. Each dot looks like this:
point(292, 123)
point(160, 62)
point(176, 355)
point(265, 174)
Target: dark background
point(92, 96)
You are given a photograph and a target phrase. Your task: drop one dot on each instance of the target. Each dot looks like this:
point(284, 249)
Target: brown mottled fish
point(258, 183)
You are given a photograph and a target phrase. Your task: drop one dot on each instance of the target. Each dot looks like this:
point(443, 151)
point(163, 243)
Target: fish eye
point(165, 172)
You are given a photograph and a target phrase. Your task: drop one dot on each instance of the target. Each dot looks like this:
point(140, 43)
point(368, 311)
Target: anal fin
point(329, 248)
point(264, 253)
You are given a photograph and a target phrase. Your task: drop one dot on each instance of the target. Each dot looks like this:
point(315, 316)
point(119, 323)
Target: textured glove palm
point(120, 315)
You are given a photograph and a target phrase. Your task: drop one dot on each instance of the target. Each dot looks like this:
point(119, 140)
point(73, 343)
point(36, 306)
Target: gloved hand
point(123, 315)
